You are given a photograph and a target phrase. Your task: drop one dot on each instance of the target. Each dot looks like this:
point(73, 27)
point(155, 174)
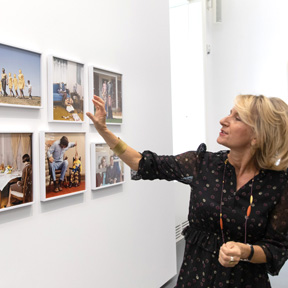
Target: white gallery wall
point(121, 236)
point(249, 54)
point(187, 87)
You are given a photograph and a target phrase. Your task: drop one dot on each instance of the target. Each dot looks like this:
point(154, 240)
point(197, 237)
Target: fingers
point(230, 245)
point(99, 118)
point(97, 98)
point(99, 105)
point(228, 261)
point(229, 255)
point(91, 116)
point(98, 102)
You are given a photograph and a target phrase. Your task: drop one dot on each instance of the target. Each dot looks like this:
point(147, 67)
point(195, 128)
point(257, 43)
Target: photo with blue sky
point(13, 59)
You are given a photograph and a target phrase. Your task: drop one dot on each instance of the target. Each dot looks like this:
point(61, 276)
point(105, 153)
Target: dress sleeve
point(275, 242)
point(181, 167)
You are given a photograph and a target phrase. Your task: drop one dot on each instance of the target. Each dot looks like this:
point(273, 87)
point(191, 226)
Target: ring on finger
point(231, 260)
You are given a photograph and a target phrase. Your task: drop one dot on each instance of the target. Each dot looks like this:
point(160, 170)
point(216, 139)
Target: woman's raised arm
point(130, 156)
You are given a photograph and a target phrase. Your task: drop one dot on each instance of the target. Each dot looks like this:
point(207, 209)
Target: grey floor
point(180, 251)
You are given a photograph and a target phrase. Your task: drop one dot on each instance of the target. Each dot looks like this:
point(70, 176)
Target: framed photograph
point(107, 85)
point(62, 163)
point(16, 171)
point(20, 84)
point(65, 90)
point(107, 169)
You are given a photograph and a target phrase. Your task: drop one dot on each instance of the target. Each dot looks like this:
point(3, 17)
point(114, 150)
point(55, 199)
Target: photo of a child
point(63, 155)
point(66, 90)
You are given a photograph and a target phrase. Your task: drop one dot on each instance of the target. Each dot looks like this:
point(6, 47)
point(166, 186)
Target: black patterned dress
point(267, 225)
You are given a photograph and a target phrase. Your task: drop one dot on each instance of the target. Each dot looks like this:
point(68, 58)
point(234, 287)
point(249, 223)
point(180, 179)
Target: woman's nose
point(224, 121)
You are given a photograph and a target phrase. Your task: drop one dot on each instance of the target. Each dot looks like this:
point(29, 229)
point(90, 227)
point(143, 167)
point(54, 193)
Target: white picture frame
point(108, 85)
point(21, 65)
point(66, 90)
point(99, 170)
point(47, 140)
point(17, 187)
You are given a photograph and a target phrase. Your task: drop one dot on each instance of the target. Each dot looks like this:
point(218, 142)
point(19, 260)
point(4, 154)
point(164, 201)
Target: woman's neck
point(243, 163)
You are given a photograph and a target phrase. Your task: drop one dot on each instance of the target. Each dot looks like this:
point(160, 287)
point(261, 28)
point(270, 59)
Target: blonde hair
point(268, 118)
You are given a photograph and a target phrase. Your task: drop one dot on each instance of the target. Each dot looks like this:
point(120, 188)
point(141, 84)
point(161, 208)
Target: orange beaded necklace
point(248, 212)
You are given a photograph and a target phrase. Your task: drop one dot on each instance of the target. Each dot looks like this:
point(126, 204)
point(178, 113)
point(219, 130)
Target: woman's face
point(234, 133)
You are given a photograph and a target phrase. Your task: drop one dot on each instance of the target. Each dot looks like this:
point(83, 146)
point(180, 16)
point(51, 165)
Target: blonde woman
point(21, 83)
point(15, 83)
point(238, 213)
point(10, 85)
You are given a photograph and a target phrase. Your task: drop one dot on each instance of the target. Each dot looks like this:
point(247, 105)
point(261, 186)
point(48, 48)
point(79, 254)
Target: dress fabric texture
point(267, 225)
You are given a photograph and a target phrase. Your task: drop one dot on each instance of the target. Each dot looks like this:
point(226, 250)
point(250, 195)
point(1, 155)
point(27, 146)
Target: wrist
point(247, 252)
point(102, 130)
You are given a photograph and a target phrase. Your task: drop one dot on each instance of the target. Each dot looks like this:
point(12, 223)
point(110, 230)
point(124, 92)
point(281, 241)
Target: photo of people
point(16, 174)
point(20, 77)
point(64, 164)
point(109, 168)
point(67, 91)
point(108, 86)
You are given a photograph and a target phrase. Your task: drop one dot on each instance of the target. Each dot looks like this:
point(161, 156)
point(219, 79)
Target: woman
point(238, 210)
point(10, 85)
point(4, 82)
point(15, 83)
point(25, 184)
point(21, 83)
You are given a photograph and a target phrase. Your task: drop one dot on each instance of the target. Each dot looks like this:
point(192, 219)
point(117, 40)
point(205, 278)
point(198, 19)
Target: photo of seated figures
point(107, 168)
point(66, 90)
point(63, 169)
point(16, 178)
point(20, 83)
point(107, 85)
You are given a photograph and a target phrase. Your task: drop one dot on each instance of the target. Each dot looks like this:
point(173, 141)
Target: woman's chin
point(221, 142)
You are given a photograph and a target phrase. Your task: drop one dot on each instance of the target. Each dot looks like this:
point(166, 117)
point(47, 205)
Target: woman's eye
point(238, 118)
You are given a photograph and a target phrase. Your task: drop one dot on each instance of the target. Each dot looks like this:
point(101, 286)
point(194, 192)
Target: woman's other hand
point(229, 254)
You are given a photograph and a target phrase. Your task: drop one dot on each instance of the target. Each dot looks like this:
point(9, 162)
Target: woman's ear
point(253, 142)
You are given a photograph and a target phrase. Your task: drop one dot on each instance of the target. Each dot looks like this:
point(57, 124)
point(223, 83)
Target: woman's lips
point(222, 133)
